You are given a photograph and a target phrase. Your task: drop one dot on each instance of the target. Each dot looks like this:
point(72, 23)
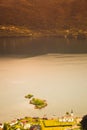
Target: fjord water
point(32, 47)
point(58, 76)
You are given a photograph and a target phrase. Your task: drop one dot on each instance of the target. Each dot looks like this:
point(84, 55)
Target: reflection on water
point(61, 79)
point(32, 47)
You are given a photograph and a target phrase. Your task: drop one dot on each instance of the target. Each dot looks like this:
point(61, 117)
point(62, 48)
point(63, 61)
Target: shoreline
point(20, 31)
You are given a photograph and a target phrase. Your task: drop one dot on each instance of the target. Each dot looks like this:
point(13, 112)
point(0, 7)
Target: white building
point(67, 117)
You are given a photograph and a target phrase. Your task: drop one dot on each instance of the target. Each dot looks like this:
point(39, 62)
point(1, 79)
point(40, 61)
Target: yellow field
point(56, 125)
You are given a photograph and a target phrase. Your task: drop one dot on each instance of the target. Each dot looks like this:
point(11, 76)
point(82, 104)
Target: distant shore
point(18, 31)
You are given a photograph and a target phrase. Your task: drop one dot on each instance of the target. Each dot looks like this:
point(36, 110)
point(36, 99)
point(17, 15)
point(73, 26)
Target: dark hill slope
point(44, 14)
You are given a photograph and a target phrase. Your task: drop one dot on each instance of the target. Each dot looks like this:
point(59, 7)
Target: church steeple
point(72, 113)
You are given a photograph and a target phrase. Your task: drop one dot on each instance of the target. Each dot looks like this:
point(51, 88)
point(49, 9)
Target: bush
point(84, 123)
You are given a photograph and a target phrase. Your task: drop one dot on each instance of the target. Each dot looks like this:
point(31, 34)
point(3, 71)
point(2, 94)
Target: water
point(32, 47)
point(61, 79)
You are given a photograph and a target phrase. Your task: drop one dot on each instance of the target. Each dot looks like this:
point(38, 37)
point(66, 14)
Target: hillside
point(44, 14)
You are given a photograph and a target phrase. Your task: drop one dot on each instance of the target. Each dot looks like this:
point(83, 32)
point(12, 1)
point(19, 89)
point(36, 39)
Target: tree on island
point(84, 123)
point(29, 96)
point(38, 103)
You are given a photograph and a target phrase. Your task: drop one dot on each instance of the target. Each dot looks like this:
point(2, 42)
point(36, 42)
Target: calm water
point(61, 79)
point(33, 47)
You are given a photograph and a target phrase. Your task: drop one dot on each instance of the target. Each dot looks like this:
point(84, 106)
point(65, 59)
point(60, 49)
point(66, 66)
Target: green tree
point(29, 96)
point(6, 126)
point(38, 103)
point(84, 123)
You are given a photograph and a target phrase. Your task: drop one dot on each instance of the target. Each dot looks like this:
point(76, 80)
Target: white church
point(68, 117)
